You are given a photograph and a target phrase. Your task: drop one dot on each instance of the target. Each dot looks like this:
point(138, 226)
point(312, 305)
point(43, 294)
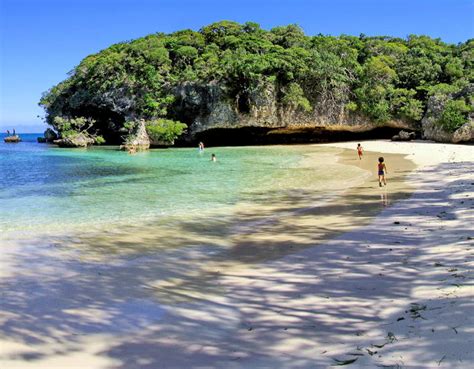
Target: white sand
point(423, 153)
point(390, 294)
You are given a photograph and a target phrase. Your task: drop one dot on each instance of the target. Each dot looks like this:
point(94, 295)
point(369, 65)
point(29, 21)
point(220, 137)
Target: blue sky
point(41, 40)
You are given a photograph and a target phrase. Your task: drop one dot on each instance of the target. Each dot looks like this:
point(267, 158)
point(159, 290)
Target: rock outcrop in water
point(75, 140)
point(237, 83)
point(138, 139)
point(49, 136)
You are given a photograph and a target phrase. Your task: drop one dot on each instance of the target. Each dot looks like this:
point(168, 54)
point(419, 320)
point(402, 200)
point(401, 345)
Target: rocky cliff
point(211, 111)
point(237, 83)
point(432, 122)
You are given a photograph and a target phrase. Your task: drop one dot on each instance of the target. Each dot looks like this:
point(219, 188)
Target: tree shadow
point(249, 290)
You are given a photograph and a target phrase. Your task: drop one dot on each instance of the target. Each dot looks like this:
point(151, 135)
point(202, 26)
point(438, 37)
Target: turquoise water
point(44, 188)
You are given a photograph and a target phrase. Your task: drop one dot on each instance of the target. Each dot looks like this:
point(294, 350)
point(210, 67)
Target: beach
point(372, 277)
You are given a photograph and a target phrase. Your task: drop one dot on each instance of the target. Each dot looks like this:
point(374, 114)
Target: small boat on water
point(12, 139)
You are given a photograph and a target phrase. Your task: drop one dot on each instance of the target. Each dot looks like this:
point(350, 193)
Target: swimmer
point(213, 157)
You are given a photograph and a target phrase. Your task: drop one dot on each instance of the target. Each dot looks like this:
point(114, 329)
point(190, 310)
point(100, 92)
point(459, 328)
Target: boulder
point(404, 136)
point(75, 140)
point(50, 135)
point(433, 132)
point(465, 133)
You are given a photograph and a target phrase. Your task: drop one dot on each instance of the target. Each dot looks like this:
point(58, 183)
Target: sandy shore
point(392, 291)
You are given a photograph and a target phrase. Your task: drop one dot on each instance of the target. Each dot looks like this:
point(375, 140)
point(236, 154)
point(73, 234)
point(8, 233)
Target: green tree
point(294, 98)
point(164, 131)
point(378, 77)
point(454, 115)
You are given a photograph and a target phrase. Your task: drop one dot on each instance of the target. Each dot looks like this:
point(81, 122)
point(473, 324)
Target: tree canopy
point(380, 77)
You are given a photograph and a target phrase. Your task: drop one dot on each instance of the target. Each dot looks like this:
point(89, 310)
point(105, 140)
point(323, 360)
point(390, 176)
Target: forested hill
point(230, 75)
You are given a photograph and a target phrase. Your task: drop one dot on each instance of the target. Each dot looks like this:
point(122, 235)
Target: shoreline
point(249, 216)
point(430, 234)
point(339, 299)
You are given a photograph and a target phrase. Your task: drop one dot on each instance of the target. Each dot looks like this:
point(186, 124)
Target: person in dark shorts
point(382, 170)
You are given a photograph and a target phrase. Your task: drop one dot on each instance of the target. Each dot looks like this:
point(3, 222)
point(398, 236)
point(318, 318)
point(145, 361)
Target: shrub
point(294, 97)
point(67, 125)
point(454, 115)
point(99, 140)
point(164, 130)
point(351, 106)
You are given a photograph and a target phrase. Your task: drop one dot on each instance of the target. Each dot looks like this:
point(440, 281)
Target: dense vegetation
point(382, 78)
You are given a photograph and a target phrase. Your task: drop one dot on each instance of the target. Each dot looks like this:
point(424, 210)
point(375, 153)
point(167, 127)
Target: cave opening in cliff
point(243, 103)
point(271, 136)
point(108, 124)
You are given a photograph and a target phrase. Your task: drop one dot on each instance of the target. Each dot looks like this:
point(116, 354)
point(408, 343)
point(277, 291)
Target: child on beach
point(382, 170)
point(359, 151)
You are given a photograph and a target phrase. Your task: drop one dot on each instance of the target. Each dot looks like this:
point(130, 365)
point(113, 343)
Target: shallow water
point(47, 189)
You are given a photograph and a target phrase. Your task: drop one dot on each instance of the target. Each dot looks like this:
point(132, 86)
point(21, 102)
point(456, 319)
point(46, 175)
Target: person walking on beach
point(359, 151)
point(382, 170)
point(213, 157)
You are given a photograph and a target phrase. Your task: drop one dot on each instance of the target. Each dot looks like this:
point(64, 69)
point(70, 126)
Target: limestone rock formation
point(75, 140)
point(241, 84)
point(404, 136)
point(465, 133)
point(49, 136)
point(211, 106)
point(138, 139)
point(433, 130)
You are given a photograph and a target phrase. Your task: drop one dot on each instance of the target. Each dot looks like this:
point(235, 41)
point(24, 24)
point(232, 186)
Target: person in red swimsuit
point(382, 170)
point(359, 151)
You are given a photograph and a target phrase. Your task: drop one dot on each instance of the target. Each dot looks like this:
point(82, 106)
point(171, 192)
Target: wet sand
point(286, 285)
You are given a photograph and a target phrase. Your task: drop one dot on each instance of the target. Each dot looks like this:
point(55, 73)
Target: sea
point(49, 190)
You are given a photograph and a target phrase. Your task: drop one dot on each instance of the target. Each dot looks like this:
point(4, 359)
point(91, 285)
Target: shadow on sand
point(250, 290)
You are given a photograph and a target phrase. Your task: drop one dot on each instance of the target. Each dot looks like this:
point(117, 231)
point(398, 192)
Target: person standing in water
point(201, 146)
point(382, 170)
point(213, 157)
point(359, 151)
